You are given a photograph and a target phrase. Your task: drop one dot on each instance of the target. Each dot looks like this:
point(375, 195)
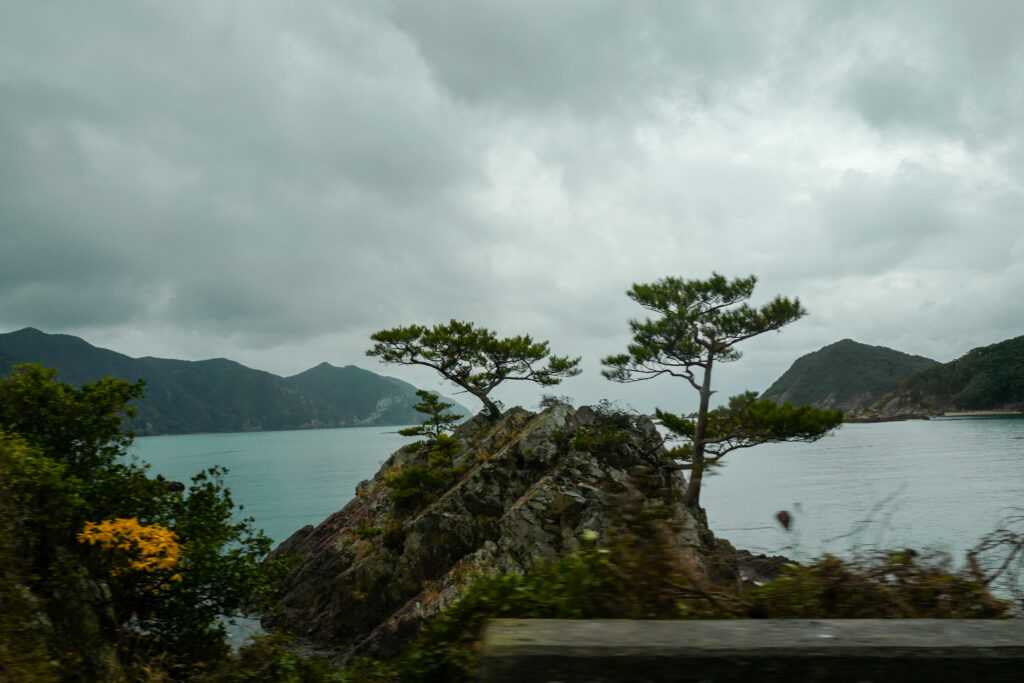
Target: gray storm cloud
point(273, 182)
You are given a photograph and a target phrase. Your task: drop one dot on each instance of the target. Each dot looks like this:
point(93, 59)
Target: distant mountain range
point(220, 395)
point(874, 382)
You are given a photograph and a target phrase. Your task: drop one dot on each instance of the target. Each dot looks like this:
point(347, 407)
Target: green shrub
point(274, 658)
point(600, 440)
point(884, 585)
point(367, 532)
point(27, 481)
point(69, 466)
point(415, 486)
point(637, 578)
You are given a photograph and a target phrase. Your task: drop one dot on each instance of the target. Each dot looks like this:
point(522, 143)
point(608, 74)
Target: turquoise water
point(285, 480)
point(938, 483)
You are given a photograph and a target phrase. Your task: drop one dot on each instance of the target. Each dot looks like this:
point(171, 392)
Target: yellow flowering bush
point(151, 548)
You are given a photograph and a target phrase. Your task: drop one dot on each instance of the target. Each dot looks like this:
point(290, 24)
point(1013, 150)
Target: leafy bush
point(274, 658)
point(603, 439)
point(367, 532)
point(415, 486)
point(885, 585)
point(67, 467)
point(27, 480)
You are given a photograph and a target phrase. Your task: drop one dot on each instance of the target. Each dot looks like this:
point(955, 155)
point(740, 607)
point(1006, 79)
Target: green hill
point(357, 396)
point(985, 378)
point(220, 395)
point(846, 375)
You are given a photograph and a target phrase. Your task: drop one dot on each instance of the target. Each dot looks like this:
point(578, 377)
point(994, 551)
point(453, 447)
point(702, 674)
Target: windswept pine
point(700, 322)
point(473, 358)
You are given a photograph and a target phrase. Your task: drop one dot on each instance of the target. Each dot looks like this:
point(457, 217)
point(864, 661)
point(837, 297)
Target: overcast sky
point(272, 182)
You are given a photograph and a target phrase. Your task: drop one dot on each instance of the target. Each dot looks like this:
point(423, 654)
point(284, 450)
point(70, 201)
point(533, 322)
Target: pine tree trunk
point(697, 473)
point(493, 412)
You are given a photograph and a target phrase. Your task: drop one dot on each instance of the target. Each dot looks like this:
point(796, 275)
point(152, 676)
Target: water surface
point(940, 483)
point(285, 480)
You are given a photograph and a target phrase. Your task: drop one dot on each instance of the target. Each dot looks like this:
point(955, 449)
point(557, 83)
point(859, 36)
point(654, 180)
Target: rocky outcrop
point(523, 490)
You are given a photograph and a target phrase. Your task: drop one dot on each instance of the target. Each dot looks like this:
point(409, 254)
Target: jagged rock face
point(371, 574)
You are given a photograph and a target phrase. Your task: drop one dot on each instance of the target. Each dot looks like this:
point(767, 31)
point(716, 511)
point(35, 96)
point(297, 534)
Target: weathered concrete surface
point(768, 650)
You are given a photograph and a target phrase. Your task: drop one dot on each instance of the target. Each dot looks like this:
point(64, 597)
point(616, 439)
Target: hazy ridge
point(220, 395)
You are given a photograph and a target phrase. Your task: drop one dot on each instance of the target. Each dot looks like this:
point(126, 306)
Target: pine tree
point(473, 358)
point(699, 324)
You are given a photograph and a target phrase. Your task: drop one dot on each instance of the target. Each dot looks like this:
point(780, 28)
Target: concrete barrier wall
point(761, 651)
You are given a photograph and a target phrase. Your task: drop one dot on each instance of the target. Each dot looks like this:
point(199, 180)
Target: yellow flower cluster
point(151, 547)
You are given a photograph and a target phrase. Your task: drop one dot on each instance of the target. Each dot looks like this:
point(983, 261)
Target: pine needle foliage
point(698, 324)
point(437, 420)
point(473, 358)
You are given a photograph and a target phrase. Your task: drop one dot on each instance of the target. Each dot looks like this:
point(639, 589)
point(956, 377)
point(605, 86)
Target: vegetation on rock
point(437, 421)
point(634, 577)
point(473, 358)
point(699, 324)
point(415, 485)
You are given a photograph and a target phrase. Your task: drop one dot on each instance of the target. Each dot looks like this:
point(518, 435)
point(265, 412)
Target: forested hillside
point(220, 395)
point(846, 375)
point(985, 378)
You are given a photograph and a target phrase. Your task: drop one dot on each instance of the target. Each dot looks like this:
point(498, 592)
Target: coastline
point(981, 413)
point(860, 418)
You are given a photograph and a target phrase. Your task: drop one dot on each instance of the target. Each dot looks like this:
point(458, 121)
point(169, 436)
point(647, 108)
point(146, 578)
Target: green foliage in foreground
point(275, 658)
point(63, 462)
point(636, 578)
point(893, 585)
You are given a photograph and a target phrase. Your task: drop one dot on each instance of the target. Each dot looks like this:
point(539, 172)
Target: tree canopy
point(473, 358)
point(699, 323)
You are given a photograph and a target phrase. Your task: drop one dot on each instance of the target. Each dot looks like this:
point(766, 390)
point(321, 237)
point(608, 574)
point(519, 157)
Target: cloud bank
point(273, 182)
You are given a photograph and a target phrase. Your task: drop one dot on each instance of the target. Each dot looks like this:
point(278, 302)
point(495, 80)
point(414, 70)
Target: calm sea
point(938, 484)
point(285, 480)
